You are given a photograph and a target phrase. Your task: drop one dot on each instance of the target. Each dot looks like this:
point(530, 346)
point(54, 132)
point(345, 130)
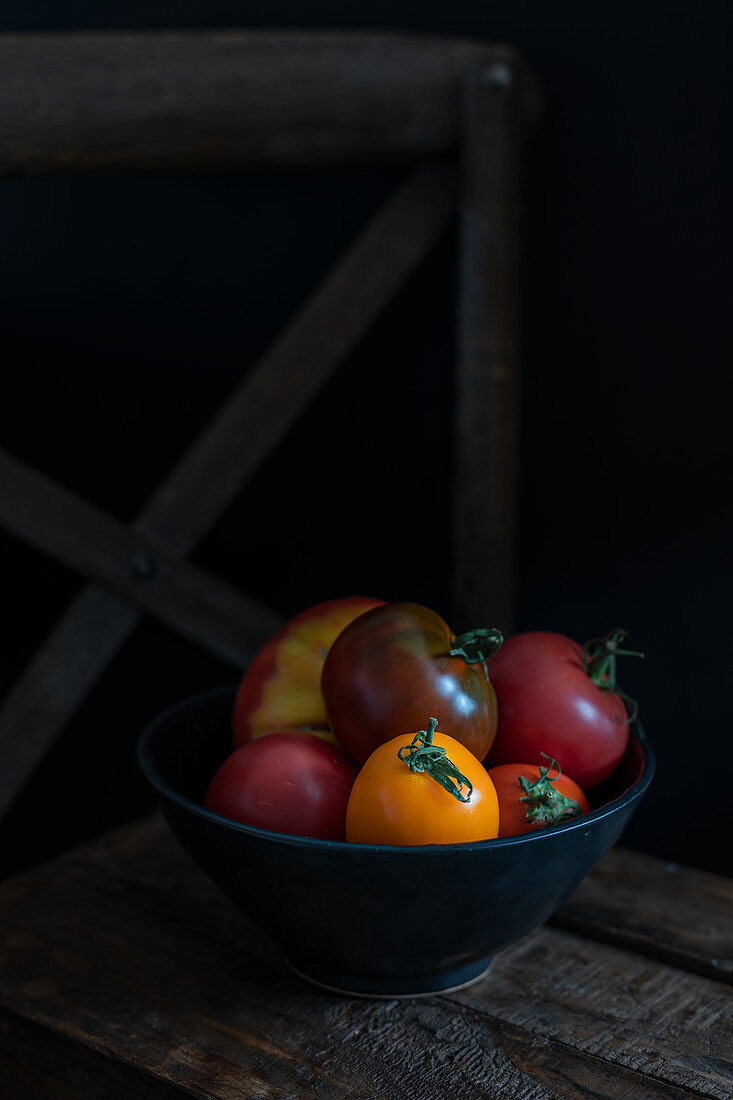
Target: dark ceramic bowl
point(377, 920)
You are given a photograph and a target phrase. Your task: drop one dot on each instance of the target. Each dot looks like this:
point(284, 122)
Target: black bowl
point(368, 919)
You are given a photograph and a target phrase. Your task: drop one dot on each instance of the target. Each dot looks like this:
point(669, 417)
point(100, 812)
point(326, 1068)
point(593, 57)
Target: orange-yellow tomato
point(391, 804)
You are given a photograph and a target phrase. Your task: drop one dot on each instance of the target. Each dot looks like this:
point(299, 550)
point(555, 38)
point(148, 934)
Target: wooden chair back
point(459, 112)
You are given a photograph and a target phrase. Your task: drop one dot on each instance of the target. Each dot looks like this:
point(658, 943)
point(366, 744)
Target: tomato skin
point(391, 667)
point(390, 804)
point(288, 782)
point(512, 811)
point(281, 688)
point(548, 703)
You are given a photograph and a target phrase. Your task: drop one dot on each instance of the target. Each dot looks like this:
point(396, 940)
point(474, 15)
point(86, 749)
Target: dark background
point(131, 305)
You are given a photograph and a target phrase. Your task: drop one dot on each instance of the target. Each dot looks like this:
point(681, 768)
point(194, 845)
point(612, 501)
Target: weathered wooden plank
point(626, 1010)
point(198, 999)
point(677, 914)
point(98, 99)
point(85, 538)
point(216, 467)
point(486, 418)
point(20, 1079)
point(47, 1065)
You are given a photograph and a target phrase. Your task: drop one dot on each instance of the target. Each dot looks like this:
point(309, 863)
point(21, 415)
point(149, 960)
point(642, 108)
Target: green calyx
point(477, 646)
point(421, 755)
point(599, 661)
point(544, 802)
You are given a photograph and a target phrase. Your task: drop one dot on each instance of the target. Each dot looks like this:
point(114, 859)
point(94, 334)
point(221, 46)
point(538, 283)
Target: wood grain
point(486, 416)
point(631, 896)
point(46, 1065)
point(193, 998)
point(121, 99)
point(218, 464)
point(619, 1007)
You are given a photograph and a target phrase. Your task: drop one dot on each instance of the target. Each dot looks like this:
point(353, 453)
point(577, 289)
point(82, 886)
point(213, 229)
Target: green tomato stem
point(545, 803)
point(421, 755)
point(599, 658)
point(477, 646)
point(599, 661)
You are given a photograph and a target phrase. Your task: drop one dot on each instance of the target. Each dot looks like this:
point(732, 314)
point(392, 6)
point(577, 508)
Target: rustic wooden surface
point(158, 99)
point(124, 974)
point(695, 909)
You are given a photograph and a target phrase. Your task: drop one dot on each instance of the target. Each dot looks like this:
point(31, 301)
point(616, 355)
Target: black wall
point(130, 306)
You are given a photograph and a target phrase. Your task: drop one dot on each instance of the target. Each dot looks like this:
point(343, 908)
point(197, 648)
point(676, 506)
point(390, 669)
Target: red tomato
point(531, 797)
point(552, 700)
point(288, 782)
point(281, 688)
point(397, 663)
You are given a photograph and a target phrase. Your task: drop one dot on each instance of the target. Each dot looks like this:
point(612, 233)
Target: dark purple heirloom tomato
point(399, 662)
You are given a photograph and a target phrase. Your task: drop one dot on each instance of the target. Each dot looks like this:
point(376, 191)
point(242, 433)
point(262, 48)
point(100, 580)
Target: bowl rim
point(146, 763)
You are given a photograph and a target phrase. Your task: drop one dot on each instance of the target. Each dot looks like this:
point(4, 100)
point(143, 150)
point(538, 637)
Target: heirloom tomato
point(431, 790)
point(281, 688)
point(557, 697)
point(288, 782)
point(531, 797)
point(393, 665)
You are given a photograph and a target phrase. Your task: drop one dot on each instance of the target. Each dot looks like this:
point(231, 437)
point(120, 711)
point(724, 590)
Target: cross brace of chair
point(166, 98)
point(144, 565)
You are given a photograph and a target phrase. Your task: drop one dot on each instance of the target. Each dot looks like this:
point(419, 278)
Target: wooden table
point(124, 974)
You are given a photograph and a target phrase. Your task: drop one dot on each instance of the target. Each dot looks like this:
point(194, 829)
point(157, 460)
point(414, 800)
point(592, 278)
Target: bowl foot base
point(388, 986)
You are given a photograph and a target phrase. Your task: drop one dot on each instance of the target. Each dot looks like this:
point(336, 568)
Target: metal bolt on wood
point(498, 76)
point(144, 567)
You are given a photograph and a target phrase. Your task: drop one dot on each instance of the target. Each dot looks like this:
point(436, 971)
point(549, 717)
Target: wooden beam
point(214, 470)
point(486, 418)
point(653, 906)
point(139, 568)
point(157, 99)
point(60, 675)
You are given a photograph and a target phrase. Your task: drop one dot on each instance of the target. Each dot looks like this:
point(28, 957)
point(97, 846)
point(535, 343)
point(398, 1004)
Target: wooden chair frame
point(99, 100)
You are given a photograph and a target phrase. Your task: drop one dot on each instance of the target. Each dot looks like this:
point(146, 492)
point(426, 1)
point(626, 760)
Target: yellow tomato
point(430, 791)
